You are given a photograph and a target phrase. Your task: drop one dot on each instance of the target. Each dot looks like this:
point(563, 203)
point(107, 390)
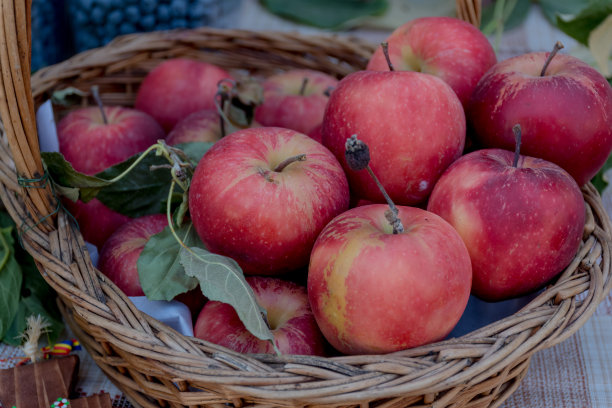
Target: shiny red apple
point(565, 114)
point(262, 195)
point(522, 225)
point(413, 123)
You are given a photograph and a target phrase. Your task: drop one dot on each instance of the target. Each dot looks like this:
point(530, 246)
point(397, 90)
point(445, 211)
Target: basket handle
point(470, 11)
point(17, 106)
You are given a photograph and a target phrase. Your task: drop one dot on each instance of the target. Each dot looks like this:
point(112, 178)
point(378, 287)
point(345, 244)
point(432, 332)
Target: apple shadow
point(479, 313)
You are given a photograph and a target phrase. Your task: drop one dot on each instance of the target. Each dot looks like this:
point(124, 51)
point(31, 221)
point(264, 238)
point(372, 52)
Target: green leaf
point(325, 13)
point(143, 191)
point(512, 14)
point(62, 173)
point(10, 281)
point(401, 11)
point(195, 150)
point(162, 276)
point(566, 8)
point(140, 192)
point(600, 181)
point(29, 306)
point(221, 279)
point(580, 26)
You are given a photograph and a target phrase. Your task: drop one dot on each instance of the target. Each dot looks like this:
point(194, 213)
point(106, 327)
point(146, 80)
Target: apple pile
point(432, 224)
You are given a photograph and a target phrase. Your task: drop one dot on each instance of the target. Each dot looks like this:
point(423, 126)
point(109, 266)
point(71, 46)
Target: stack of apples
point(500, 221)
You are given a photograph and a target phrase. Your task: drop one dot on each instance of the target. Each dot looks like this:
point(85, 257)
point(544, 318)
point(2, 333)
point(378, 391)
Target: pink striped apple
point(262, 195)
point(413, 123)
point(521, 224)
point(565, 114)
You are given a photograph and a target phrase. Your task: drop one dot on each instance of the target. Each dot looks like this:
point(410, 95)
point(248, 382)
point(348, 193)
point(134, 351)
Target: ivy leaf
point(63, 174)
point(554, 8)
point(143, 191)
point(580, 26)
point(140, 192)
point(10, 281)
point(162, 276)
point(512, 15)
point(325, 13)
point(221, 279)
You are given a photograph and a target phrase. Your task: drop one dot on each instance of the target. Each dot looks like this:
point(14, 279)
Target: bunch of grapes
point(50, 39)
point(97, 22)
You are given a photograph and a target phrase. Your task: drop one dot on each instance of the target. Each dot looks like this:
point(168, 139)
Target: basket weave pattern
point(156, 366)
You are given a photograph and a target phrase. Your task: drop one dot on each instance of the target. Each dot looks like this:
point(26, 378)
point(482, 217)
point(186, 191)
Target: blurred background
point(62, 28)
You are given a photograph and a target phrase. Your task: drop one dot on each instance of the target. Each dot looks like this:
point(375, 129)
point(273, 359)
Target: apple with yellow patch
point(521, 220)
point(375, 291)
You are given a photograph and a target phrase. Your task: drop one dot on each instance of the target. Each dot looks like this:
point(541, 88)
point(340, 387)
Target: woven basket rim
point(139, 353)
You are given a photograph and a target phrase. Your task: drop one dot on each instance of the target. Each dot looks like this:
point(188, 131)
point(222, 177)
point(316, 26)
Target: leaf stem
point(138, 160)
point(169, 216)
point(6, 248)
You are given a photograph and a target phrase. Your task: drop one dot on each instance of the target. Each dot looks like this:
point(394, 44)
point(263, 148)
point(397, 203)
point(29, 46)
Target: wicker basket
point(154, 365)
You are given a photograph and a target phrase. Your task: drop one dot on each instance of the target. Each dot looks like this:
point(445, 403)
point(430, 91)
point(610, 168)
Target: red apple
point(413, 123)
point(265, 216)
point(522, 225)
point(177, 88)
point(566, 115)
point(449, 48)
point(91, 145)
point(119, 258)
point(201, 126)
point(373, 291)
point(286, 104)
point(289, 316)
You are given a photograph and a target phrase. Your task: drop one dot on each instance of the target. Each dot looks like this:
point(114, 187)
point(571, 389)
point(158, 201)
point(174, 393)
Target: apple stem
point(385, 48)
point(327, 92)
point(95, 91)
point(303, 87)
point(517, 150)
point(555, 50)
point(281, 166)
point(357, 155)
